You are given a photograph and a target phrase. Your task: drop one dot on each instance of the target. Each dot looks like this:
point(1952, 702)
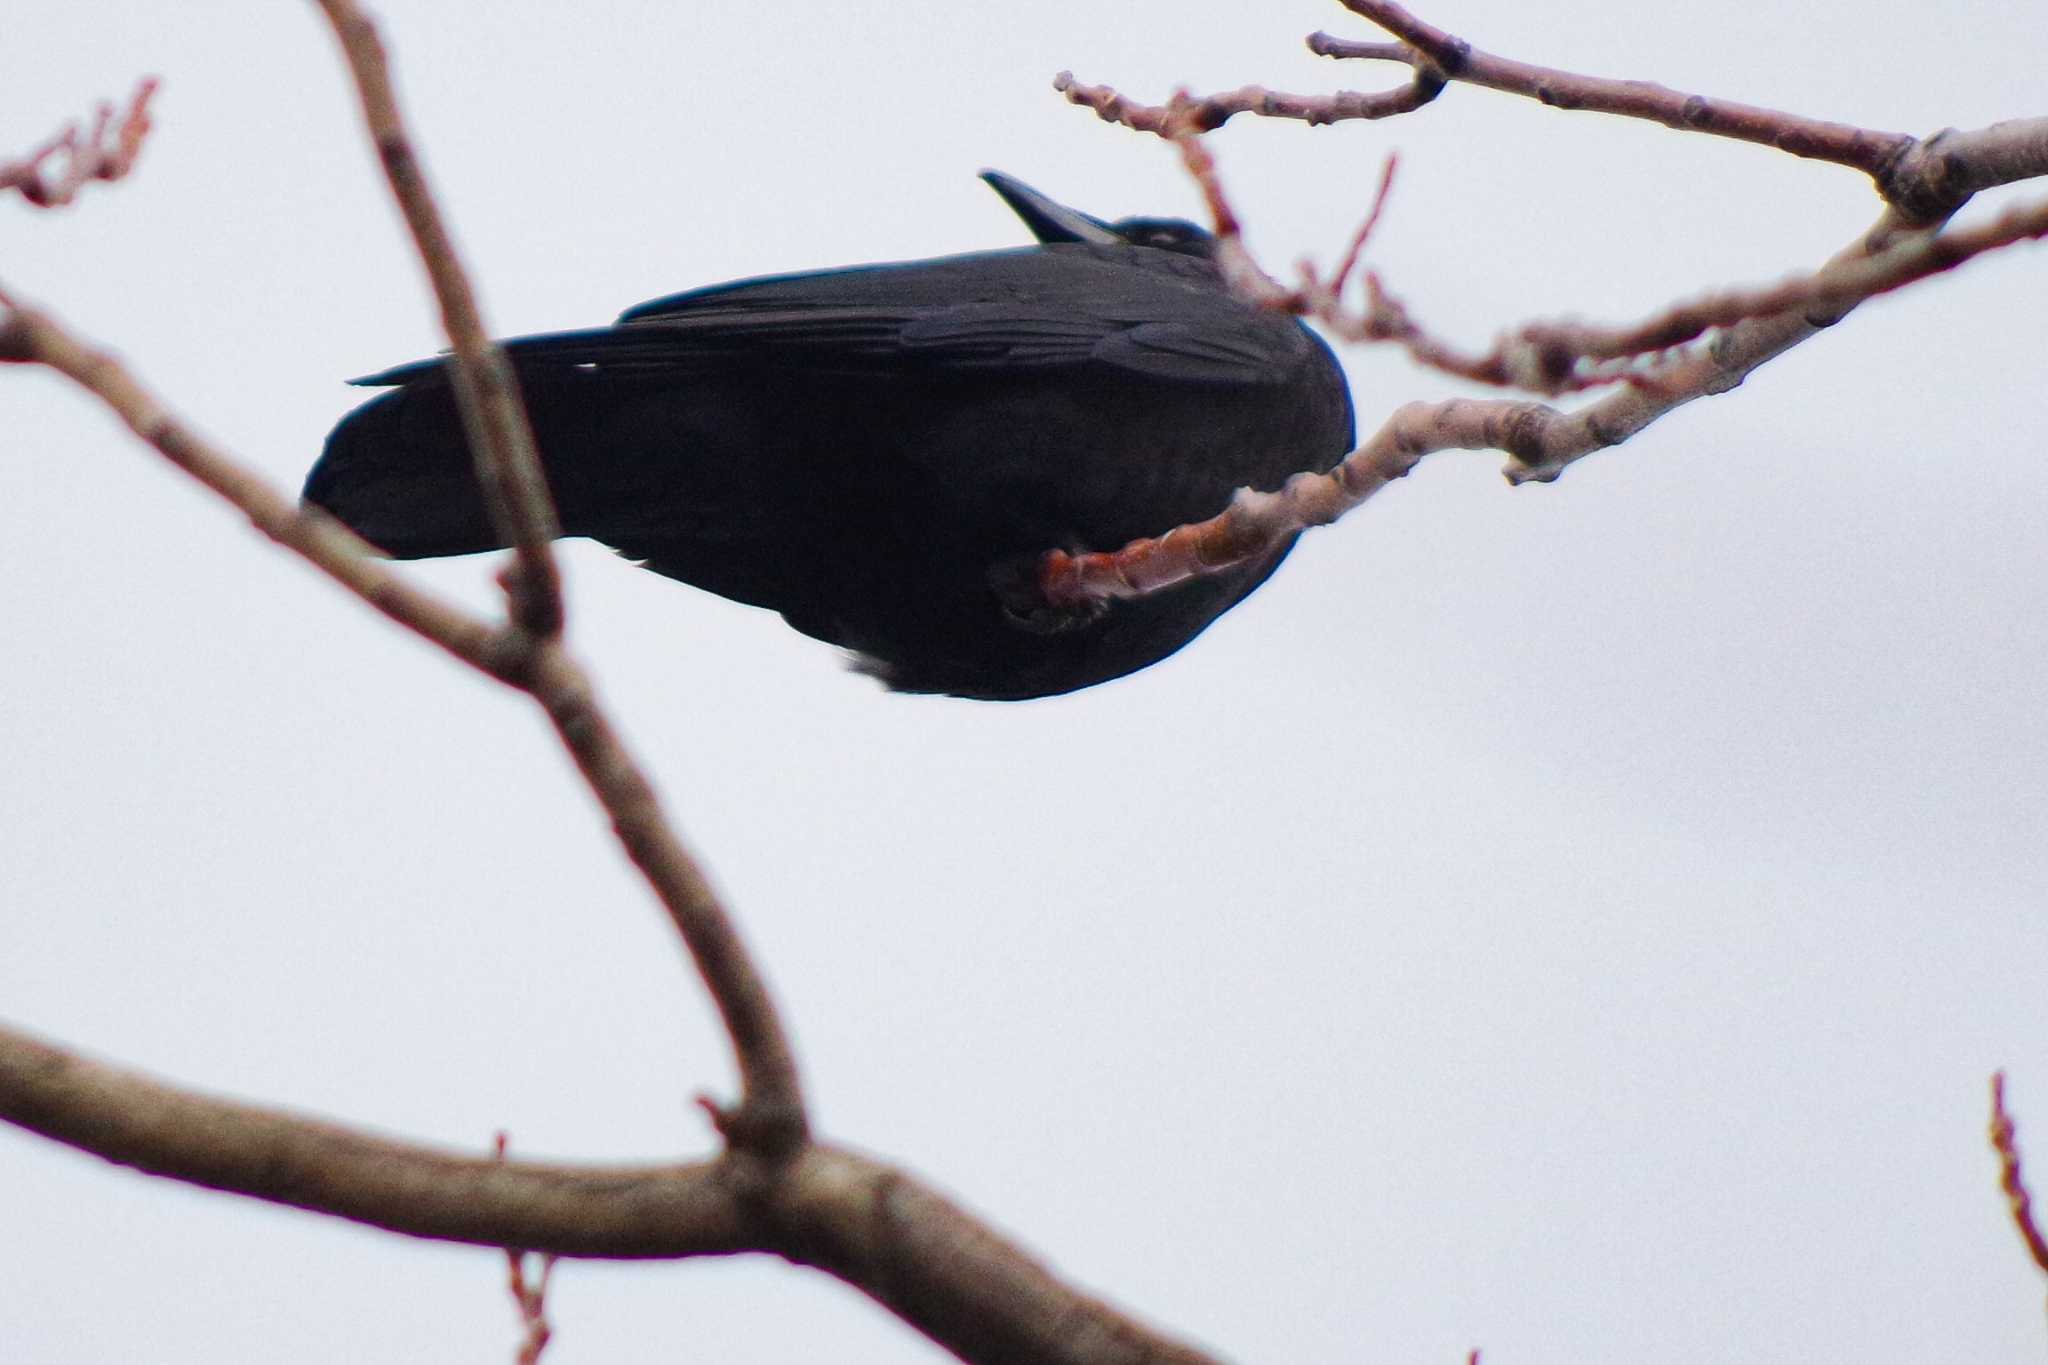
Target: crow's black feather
point(869, 451)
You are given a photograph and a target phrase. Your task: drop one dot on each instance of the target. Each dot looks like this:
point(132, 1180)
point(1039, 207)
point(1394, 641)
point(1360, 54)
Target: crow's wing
point(1141, 312)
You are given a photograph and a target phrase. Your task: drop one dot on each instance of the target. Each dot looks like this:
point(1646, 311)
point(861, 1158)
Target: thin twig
point(2011, 1178)
point(530, 1300)
point(1560, 356)
point(53, 173)
point(1356, 249)
point(1241, 273)
point(770, 1115)
point(486, 390)
point(1209, 112)
point(1830, 290)
point(1862, 149)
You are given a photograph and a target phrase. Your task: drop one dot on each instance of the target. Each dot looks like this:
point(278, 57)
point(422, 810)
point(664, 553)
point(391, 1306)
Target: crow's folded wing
point(1010, 312)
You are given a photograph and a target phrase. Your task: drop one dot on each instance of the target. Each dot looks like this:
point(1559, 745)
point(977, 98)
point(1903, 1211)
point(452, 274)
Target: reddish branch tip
point(1365, 229)
point(764, 1129)
point(2011, 1178)
point(720, 1115)
point(530, 1299)
point(53, 173)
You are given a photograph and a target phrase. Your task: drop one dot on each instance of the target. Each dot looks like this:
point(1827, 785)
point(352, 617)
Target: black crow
point(882, 453)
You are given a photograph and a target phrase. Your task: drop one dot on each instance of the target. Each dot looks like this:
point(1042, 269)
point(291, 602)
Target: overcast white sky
point(1574, 921)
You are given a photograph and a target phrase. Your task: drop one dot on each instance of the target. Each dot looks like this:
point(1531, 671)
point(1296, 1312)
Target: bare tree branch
point(774, 1189)
point(770, 1114)
point(1438, 58)
point(486, 391)
point(1542, 441)
point(1565, 356)
point(1356, 249)
point(2011, 1178)
point(690, 1209)
point(1424, 46)
point(55, 172)
point(1649, 364)
point(1213, 111)
point(1926, 180)
point(869, 1224)
point(1833, 289)
point(1255, 522)
point(28, 336)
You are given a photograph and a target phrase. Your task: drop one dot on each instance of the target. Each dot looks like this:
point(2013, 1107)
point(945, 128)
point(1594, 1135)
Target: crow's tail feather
point(398, 471)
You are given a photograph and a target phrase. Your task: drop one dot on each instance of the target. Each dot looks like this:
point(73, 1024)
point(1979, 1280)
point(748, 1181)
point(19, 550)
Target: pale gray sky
point(1574, 921)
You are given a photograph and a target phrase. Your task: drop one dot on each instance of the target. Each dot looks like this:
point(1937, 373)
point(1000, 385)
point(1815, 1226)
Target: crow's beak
point(1049, 220)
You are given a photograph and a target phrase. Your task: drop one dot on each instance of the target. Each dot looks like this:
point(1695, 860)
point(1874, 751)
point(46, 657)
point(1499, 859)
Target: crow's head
point(1051, 221)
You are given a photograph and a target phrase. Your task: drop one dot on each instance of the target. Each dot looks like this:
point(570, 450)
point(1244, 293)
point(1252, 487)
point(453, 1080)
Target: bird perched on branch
point(883, 453)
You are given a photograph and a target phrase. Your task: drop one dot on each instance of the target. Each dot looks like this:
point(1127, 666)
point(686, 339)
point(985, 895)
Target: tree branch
point(1926, 180)
point(2011, 1178)
point(131, 1120)
point(1208, 112)
point(773, 1189)
point(104, 151)
point(1542, 441)
point(1437, 59)
point(1424, 46)
point(1834, 289)
point(1649, 364)
point(1561, 356)
point(865, 1222)
point(29, 336)
point(1558, 356)
point(1255, 523)
point(770, 1115)
point(486, 390)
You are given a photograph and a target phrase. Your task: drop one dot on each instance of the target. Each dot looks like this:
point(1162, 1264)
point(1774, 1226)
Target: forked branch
point(770, 1111)
point(1692, 349)
point(528, 655)
point(775, 1189)
point(1425, 47)
point(869, 1224)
